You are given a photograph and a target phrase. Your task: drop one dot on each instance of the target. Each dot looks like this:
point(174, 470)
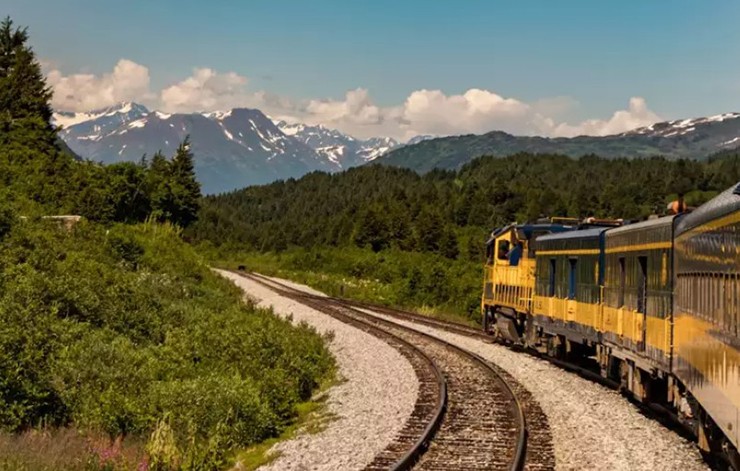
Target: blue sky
point(576, 60)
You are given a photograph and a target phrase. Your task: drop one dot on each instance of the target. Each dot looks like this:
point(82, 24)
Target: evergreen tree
point(24, 95)
point(372, 230)
point(429, 231)
point(185, 187)
point(158, 187)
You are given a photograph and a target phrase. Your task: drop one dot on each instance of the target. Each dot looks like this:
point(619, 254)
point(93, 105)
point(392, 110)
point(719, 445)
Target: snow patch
point(730, 142)
point(70, 119)
point(724, 116)
point(217, 115)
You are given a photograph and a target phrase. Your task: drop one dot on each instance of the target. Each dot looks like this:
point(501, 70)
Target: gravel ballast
point(592, 426)
point(370, 406)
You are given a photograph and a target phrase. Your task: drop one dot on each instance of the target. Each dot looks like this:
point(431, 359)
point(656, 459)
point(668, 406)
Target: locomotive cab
point(509, 277)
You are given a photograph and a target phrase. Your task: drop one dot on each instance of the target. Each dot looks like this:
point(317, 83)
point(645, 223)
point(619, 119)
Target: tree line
point(450, 213)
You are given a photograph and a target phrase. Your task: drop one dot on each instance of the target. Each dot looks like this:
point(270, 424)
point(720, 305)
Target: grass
point(342, 284)
point(312, 417)
point(67, 449)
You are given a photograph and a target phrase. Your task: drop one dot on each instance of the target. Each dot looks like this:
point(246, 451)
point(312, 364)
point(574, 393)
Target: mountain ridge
point(344, 150)
point(233, 149)
point(681, 138)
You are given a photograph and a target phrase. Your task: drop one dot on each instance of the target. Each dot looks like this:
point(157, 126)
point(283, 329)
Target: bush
point(408, 279)
point(122, 330)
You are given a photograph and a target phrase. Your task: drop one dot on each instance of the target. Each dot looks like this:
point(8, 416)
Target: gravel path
point(592, 427)
point(370, 407)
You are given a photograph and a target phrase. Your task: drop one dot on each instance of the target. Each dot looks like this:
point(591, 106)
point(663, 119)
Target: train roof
point(531, 228)
point(593, 233)
point(638, 226)
point(722, 205)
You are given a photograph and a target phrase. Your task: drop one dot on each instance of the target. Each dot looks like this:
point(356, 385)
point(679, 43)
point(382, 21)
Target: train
point(653, 306)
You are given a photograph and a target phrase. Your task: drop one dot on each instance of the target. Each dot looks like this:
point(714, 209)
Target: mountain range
point(232, 149)
point(689, 138)
point(243, 147)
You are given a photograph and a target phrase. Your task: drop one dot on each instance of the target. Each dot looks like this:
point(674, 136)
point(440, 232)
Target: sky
point(397, 68)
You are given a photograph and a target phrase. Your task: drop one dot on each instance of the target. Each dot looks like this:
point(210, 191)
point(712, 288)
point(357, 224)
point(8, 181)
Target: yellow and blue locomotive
point(655, 305)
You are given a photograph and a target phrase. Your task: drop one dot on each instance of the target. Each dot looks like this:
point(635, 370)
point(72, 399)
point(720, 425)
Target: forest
point(119, 347)
point(326, 229)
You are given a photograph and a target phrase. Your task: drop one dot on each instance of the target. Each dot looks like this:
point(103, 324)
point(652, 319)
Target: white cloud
point(422, 112)
point(206, 90)
point(356, 108)
point(475, 111)
point(636, 115)
point(84, 92)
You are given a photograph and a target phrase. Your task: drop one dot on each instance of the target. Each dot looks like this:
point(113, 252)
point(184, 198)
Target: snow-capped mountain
point(112, 116)
point(232, 149)
point(694, 138)
point(725, 128)
point(341, 149)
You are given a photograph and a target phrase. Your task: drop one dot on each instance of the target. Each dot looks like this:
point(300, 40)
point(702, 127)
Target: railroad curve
point(485, 424)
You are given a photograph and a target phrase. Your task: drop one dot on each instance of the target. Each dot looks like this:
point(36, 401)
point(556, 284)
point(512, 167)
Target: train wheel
point(554, 347)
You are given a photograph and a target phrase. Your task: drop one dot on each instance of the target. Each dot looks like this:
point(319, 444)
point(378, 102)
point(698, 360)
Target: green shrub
point(394, 277)
point(123, 328)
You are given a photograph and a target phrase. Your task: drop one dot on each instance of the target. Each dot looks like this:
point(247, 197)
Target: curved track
point(485, 424)
point(654, 411)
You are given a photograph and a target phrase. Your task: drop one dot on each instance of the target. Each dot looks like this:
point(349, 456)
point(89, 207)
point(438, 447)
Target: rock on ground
point(593, 427)
point(369, 407)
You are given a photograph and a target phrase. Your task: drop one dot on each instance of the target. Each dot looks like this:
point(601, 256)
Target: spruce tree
point(184, 185)
point(158, 187)
point(25, 112)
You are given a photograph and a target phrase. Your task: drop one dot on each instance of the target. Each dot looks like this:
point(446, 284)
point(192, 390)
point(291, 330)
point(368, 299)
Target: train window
point(573, 262)
point(503, 249)
point(551, 287)
point(622, 280)
point(642, 285)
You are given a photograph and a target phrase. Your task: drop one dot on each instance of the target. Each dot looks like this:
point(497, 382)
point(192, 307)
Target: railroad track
point(666, 417)
point(485, 423)
point(449, 326)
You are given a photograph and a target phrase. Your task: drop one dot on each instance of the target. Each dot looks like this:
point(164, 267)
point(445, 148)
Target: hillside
point(379, 206)
point(688, 138)
point(119, 347)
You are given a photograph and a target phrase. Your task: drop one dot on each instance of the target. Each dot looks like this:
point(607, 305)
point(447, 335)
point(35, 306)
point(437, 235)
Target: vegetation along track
point(485, 424)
